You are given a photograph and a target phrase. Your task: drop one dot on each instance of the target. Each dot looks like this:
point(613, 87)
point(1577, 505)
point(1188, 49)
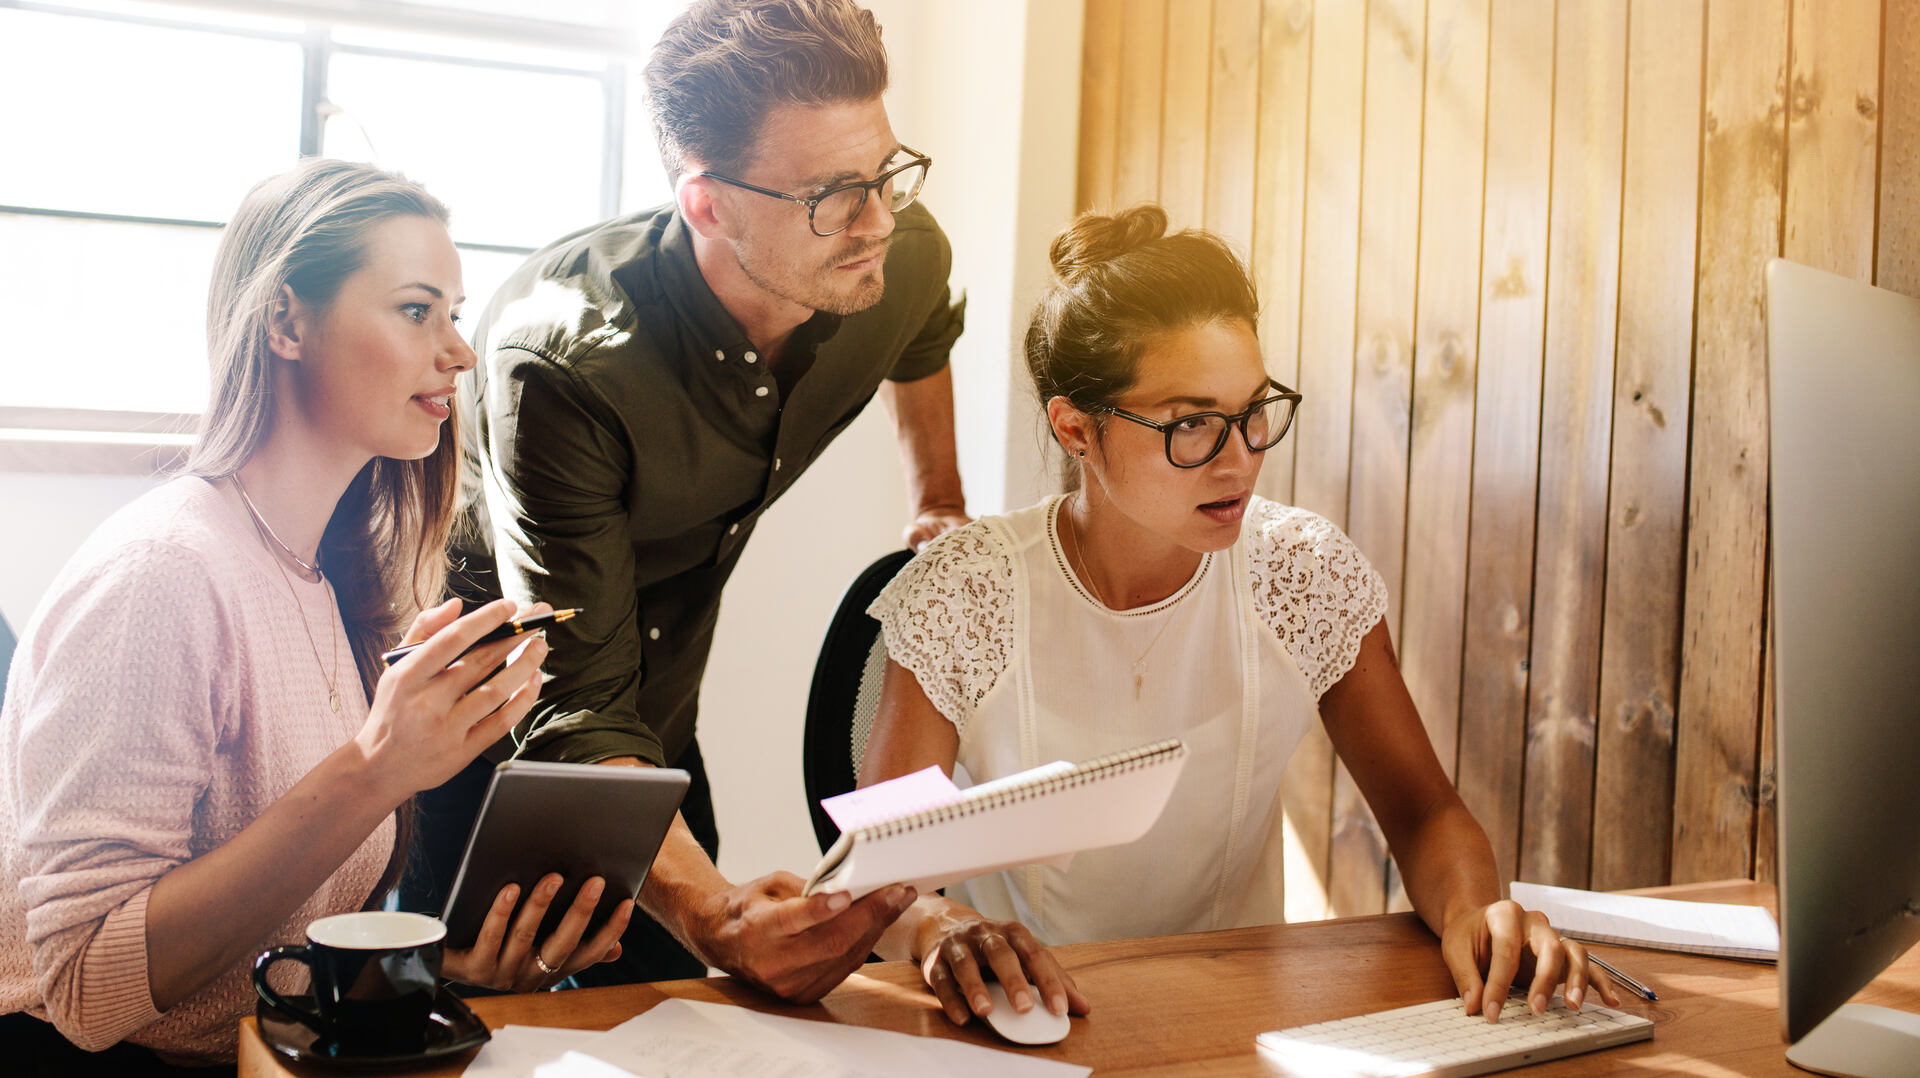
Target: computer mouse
point(1037, 1026)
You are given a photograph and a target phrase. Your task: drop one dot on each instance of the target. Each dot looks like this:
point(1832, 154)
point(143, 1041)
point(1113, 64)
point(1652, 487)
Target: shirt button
point(653, 634)
point(719, 354)
point(760, 391)
point(751, 357)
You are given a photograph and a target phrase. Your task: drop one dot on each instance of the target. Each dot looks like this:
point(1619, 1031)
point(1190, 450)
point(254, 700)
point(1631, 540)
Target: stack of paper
point(1664, 924)
point(685, 1039)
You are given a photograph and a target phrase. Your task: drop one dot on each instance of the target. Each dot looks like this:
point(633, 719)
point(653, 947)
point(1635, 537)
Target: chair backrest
point(845, 693)
point(6, 655)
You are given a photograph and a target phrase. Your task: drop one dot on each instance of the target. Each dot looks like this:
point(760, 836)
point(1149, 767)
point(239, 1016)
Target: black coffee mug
point(374, 976)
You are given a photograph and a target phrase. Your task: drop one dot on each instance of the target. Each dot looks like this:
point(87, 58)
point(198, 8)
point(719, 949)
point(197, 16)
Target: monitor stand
point(1862, 1041)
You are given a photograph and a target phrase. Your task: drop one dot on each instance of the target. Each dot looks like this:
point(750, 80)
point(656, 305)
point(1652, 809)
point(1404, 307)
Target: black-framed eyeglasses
point(832, 211)
point(1193, 440)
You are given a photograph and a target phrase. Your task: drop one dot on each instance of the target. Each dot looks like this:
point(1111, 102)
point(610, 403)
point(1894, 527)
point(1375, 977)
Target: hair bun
point(1092, 238)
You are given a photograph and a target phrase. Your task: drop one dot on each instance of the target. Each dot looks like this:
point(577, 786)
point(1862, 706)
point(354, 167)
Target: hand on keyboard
point(1503, 946)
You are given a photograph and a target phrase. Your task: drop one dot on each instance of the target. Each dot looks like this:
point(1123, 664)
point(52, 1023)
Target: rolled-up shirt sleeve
point(107, 788)
point(932, 345)
point(558, 483)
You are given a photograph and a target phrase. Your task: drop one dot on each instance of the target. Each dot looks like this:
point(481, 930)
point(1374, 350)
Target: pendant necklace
point(333, 640)
point(1139, 664)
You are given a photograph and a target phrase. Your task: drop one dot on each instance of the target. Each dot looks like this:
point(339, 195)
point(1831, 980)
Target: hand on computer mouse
point(960, 949)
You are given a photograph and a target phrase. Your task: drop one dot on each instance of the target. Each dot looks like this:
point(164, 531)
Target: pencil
point(511, 628)
point(1622, 979)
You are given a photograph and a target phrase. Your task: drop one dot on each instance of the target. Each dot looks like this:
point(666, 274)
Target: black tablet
point(580, 820)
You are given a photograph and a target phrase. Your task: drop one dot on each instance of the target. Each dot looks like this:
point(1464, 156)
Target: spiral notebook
point(1046, 814)
point(1720, 929)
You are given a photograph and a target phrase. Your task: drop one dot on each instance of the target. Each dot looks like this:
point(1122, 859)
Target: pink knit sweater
point(163, 695)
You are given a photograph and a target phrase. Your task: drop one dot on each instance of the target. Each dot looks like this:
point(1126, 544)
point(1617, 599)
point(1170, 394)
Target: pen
point(511, 628)
point(1622, 979)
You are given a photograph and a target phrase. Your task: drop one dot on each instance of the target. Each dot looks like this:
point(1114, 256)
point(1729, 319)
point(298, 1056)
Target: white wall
point(990, 89)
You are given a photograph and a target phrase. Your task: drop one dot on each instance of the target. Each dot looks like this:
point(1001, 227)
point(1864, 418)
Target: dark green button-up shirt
point(630, 437)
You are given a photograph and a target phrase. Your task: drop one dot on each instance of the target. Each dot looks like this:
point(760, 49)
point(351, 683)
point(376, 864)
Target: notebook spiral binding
point(1097, 768)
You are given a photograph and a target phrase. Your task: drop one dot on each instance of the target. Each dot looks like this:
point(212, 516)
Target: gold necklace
point(1139, 665)
point(333, 633)
point(260, 524)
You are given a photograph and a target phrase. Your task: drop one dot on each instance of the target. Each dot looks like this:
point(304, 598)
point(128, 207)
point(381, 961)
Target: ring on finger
point(541, 964)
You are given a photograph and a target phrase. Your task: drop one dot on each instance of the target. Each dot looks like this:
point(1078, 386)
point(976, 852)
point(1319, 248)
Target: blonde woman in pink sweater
point(200, 750)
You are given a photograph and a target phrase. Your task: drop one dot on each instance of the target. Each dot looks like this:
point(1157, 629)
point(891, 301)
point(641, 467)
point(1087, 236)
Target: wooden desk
point(1193, 1004)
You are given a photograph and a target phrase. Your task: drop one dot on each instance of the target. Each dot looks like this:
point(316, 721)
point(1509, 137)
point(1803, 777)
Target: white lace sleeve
point(1313, 588)
point(948, 617)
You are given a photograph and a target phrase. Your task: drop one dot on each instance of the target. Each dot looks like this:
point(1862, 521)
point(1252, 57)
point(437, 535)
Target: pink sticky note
point(924, 789)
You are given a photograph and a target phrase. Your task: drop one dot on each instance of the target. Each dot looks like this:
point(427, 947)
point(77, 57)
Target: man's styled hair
point(723, 65)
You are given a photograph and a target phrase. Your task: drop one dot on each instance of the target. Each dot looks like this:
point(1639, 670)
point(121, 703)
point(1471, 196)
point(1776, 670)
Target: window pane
point(104, 315)
point(141, 120)
point(484, 272)
point(515, 154)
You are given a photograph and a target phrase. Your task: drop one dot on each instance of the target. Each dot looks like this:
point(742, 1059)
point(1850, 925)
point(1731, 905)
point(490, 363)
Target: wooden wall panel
point(1233, 122)
point(1136, 174)
point(1506, 435)
point(1280, 203)
point(1183, 112)
point(1646, 527)
point(1576, 417)
point(1322, 434)
point(1743, 170)
point(1446, 358)
point(1511, 252)
point(1897, 261)
point(1099, 104)
point(1833, 134)
point(1382, 376)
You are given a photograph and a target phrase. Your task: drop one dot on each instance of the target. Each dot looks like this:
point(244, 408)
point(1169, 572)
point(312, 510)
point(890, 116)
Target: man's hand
point(797, 948)
point(932, 523)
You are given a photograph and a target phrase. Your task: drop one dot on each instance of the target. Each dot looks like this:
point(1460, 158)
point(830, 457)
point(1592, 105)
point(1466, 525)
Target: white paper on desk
point(1711, 928)
point(686, 1039)
point(542, 1052)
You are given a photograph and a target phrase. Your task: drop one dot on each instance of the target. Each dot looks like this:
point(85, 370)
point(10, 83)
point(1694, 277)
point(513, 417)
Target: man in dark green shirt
point(653, 383)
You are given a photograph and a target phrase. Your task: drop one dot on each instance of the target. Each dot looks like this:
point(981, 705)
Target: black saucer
point(452, 1030)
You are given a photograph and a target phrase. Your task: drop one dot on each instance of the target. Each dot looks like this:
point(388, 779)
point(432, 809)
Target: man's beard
point(865, 293)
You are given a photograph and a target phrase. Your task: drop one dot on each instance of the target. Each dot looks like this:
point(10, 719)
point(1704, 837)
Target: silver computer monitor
point(1844, 400)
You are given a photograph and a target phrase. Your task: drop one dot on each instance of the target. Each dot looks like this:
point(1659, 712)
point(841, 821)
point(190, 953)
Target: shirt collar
point(714, 328)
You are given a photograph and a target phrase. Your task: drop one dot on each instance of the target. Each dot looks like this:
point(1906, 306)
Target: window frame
point(69, 440)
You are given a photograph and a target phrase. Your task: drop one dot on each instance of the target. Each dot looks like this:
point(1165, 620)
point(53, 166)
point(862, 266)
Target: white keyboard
point(1441, 1040)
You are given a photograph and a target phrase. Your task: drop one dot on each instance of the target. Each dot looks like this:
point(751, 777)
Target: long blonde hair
point(384, 549)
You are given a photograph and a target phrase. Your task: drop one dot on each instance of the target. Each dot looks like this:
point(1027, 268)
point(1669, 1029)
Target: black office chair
point(845, 693)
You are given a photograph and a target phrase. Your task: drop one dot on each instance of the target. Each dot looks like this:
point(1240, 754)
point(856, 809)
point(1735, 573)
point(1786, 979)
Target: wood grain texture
point(1142, 76)
point(1897, 258)
point(1322, 435)
point(1506, 438)
point(1742, 172)
point(1576, 421)
point(1646, 527)
point(1280, 203)
point(1099, 105)
point(1382, 379)
point(1233, 122)
point(1193, 1004)
point(1833, 134)
point(1183, 113)
point(1446, 362)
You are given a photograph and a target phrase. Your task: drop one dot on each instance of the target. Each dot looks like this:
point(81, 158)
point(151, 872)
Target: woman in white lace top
point(1162, 598)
